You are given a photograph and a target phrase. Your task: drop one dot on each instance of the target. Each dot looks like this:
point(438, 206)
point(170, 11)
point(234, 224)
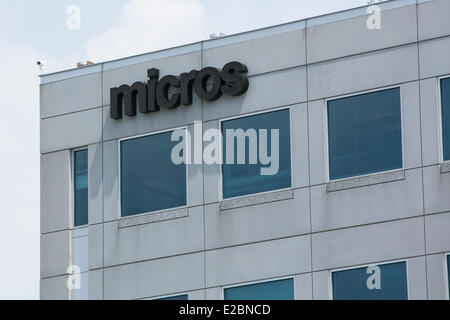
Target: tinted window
point(273, 290)
point(353, 284)
point(80, 159)
point(244, 179)
point(445, 105)
point(364, 134)
point(150, 181)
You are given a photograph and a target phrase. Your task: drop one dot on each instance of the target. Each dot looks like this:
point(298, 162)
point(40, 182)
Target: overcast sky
point(109, 29)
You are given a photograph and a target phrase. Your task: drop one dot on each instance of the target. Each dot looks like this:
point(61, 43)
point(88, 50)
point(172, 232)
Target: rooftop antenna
point(82, 64)
point(216, 36)
point(41, 64)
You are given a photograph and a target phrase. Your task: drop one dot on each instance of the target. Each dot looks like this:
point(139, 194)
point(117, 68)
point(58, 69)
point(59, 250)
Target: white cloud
point(148, 25)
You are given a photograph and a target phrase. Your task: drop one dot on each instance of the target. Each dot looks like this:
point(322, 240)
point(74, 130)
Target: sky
point(108, 29)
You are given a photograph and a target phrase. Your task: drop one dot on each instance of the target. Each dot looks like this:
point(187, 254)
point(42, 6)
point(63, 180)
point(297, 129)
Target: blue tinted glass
point(244, 179)
point(180, 297)
point(445, 105)
point(273, 290)
point(364, 134)
point(150, 181)
point(80, 187)
point(352, 284)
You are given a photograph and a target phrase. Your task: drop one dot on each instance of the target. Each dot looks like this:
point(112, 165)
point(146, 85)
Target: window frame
point(242, 284)
point(220, 187)
point(446, 274)
point(72, 186)
point(439, 118)
point(119, 164)
point(326, 137)
point(330, 274)
point(169, 296)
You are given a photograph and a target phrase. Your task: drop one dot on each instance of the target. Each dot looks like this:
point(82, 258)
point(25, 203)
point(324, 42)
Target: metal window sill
point(153, 217)
point(365, 181)
point(445, 167)
point(256, 199)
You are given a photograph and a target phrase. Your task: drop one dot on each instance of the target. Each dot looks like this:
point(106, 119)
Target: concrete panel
point(55, 253)
point(430, 128)
point(303, 286)
point(258, 261)
point(95, 200)
point(436, 190)
point(352, 36)
point(317, 152)
point(211, 173)
point(363, 72)
point(299, 145)
point(196, 295)
point(321, 285)
point(150, 122)
point(96, 285)
point(95, 252)
point(154, 240)
point(71, 130)
point(368, 204)
point(138, 72)
point(411, 125)
point(265, 91)
point(71, 95)
point(433, 19)
point(82, 293)
point(55, 192)
point(80, 252)
point(214, 293)
point(54, 289)
point(111, 181)
point(434, 58)
point(436, 231)
point(257, 223)
point(262, 54)
point(195, 188)
point(417, 279)
point(155, 278)
point(436, 277)
point(367, 244)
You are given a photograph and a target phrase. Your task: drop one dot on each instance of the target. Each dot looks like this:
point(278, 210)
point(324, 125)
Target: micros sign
point(209, 84)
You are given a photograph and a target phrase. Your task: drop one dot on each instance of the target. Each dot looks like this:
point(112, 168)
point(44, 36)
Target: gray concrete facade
point(306, 232)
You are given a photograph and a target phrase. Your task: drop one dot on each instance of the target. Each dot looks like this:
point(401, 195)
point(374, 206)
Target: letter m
point(131, 96)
